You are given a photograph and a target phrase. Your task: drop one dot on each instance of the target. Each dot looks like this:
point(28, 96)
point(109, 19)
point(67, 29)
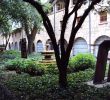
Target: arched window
point(39, 46)
point(16, 46)
point(80, 46)
point(103, 16)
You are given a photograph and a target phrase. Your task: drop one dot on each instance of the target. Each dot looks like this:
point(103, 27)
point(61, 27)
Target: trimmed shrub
point(82, 62)
point(13, 64)
point(10, 54)
point(35, 57)
point(48, 68)
point(24, 65)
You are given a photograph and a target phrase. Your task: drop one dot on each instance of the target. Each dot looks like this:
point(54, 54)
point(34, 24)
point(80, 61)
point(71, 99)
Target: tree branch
point(76, 7)
point(74, 31)
point(34, 31)
point(63, 28)
point(67, 6)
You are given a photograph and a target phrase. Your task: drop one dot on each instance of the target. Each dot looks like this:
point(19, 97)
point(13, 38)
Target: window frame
point(103, 16)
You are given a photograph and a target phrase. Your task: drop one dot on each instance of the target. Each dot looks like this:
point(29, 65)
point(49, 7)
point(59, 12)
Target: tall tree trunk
point(63, 73)
point(30, 37)
point(63, 76)
point(30, 45)
point(6, 44)
point(7, 41)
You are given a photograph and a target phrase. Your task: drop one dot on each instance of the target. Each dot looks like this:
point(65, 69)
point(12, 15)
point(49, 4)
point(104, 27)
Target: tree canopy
point(24, 14)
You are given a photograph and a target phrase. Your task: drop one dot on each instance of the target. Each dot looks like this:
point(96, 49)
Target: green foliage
point(12, 53)
point(35, 57)
point(13, 64)
point(80, 76)
point(48, 68)
point(9, 54)
point(22, 65)
point(47, 7)
point(46, 86)
point(22, 12)
point(27, 65)
point(30, 65)
point(5, 24)
point(82, 62)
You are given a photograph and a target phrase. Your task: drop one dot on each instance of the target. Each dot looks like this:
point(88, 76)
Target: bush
point(81, 76)
point(82, 62)
point(10, 54)
point(46, 86)
point(13, 64)
point(48, 68)
point(35, 56)
point(24, 65)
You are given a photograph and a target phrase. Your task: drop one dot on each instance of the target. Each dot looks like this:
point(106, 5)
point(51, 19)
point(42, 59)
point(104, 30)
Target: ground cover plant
point(31, 88)
point(8, 55)
point(45, 87)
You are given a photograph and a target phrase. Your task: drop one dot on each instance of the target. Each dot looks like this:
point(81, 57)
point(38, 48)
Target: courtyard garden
point(28, 79)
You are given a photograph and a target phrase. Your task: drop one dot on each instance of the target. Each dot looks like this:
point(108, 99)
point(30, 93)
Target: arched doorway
point(16, 46)
point(49, 44)
point(39, 46)
point(98, 41)
point(80, 46)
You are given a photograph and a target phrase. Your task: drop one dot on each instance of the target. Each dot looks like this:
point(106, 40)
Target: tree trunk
point(30, 45)
point(7, 41)
point(6, 44)
point(63, 76)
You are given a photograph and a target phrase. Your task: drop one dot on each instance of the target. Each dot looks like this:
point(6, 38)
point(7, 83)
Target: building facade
point(95, 29)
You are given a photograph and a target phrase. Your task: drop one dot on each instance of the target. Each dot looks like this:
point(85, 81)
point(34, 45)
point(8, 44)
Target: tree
point(5, 25)
point(27, 16)
point(63, 59)
point(24, 14)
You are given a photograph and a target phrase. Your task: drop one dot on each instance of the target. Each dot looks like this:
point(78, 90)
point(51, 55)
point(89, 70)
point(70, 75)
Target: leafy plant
point(48, 68)
point(82, 62)
point(35, 57)
point(46, 86)
point(24, 65)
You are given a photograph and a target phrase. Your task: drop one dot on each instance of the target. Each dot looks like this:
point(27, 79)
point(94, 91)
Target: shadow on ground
point(5, 94)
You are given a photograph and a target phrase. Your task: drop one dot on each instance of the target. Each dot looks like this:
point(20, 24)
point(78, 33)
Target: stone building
point(95, 29)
